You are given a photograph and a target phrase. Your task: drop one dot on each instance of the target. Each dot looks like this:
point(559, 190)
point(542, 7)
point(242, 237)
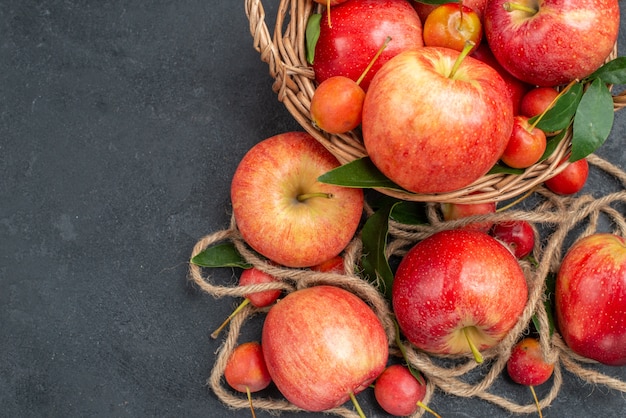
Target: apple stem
point(511, 6)
point(477, 356)
point(466, 50)
point(532, 390)
point(373, 60)
point(356, 405)
point(427, 409)
point(306, 196)
point(250, 401)
point(238, 309)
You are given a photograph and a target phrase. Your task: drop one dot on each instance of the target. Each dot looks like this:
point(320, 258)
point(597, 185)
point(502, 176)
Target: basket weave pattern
point(285, 53)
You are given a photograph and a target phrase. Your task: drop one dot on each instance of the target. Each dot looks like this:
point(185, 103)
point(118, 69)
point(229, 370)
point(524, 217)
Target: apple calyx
point(512, 6)
point(477, 355)
point(238, 309)
point(373, 60)
point(358, 408)
point(306, 196)
point(464, 53)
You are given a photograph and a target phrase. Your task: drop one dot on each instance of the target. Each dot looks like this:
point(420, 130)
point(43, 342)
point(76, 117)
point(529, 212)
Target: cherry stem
point(558, 96)
point(238, 309)
point(460, 15)
point(330, 25)
point(477, 356)
point(427, 409)
point(466, 50)
point(516, 201)
point(532, 390)
point(306, 196)
point(356, 405)
point(511, 6)
point(373, 60)
point(250, 401)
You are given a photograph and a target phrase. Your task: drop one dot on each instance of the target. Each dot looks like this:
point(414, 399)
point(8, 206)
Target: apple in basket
point(322, 346)
point(551, 42)
point(458, 292)
point(590, 298)
point(436, 120)
point(280, 208)
point(358, 30)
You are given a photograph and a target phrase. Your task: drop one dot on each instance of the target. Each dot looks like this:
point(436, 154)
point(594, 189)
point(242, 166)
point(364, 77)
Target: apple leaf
point(374, 236)
point(561, 114)
point(360, 173)
point(593, 121)
point(312, 34)
point(220, 255)
point(500, 168)
point(404, 211)
point(613, 72)
point(548, 304)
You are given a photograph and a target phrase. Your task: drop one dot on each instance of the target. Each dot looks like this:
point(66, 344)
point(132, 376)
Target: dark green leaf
point(404, 211)
point(220, 255)
point(552, 143)
point(560, 115)
point(548, 304)
point(312, 34)
point(593, 121)
point(613, 72)
point(500, 168)
point(360, 173)
point(374, 236)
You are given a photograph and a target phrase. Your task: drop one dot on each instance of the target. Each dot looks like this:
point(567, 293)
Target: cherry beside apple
point(518, 236)
point(246, 371)
point(260, 299)
point(526, 144)
point(454, 211)
point(537, 101)
point(399, 393)
point(337, 103)
point(451, 25)
point(571, 180)
point(527, 366)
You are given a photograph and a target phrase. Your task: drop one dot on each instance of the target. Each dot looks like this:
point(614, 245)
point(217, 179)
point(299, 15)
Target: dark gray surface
point(120, 127)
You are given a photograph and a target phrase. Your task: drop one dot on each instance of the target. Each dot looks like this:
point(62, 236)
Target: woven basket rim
point(294, 83)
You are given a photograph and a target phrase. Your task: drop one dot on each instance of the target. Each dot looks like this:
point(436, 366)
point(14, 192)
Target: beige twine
point(559, 215)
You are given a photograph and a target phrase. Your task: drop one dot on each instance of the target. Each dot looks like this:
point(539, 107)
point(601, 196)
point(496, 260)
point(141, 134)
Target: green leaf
point(500, 168)
point(374, 236)
point(613, 72)
point(552, 143)
point(220, 255)
point(560, 115)
point(404, 211)
point(593, 121)
point(312, 34)
point(548, 304)
point(360, 173)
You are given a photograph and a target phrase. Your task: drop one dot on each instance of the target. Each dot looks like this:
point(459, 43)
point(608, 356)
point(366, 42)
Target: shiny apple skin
point(359, 29)
point(454, 279)
point(320, 344)
point(430, 133)
point(565, 40)
point(590, 298)
point(264, 190)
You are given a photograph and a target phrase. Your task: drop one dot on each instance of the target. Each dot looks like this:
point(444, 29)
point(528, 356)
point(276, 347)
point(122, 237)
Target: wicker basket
point(284, 52)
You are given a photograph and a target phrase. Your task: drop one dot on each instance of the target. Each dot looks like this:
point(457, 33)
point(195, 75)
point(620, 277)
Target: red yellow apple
point(590, 298)
point(323, 345)
point(458, 292)
point(358, 30)
point(551, 42)
point(283, 212)
point(431, 126)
